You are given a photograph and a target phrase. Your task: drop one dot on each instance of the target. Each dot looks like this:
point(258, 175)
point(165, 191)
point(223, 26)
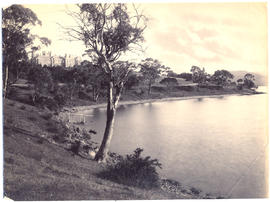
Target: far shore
point(132, 102)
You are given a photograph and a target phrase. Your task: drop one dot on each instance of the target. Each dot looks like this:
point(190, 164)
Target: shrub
point(47, 116)
point(195, 191)
point(158, 88)
point(169, 81)
point(82, 95)
point(134, 170)
point(60, 100)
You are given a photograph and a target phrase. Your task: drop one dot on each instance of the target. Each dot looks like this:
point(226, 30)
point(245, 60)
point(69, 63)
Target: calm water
point(215, 144)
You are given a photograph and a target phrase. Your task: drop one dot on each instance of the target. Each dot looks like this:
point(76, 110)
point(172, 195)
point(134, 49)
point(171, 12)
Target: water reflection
point(199, 99)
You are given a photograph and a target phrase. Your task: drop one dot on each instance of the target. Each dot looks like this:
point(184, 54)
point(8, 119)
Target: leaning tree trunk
point(6, 83)
point(113, 100)
point(108, 133)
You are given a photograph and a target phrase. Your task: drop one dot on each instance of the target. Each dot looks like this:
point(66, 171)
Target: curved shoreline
point(133, 102)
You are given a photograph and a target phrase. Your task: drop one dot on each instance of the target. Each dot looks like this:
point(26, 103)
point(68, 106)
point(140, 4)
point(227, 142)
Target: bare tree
point(109, 30)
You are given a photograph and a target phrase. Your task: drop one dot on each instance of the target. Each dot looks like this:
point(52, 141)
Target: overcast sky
point(230, 36)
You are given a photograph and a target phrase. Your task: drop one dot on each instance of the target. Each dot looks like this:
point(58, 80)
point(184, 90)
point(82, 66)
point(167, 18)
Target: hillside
point(39, 164)
point(260, 80)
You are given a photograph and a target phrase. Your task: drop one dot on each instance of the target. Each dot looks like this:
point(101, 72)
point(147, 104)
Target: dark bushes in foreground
point(134, 170)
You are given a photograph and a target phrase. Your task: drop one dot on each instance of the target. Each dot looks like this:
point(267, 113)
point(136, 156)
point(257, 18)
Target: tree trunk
point(6, 83)
point(149, 88)
point(108, 133)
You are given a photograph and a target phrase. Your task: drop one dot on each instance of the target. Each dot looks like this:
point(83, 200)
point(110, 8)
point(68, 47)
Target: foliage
point(16, 23)
point(169, 81)
point(186, 76)
point(59, 74)
point(171, 73)
point(73, 85)
point(107, 30)
point(198, 75)
point(92, 75)
point(151, 69)
point(239, 80)
point(249, 81)
point(132, 80)
point(42, 79)
point(60, 100)
point(134, 170)
point(221, 77)
point(121, 72)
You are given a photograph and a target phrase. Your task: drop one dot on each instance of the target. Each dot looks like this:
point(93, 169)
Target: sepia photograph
point(135, 100)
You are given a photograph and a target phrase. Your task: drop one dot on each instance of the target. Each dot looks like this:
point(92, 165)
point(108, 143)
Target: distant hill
point(260, 79)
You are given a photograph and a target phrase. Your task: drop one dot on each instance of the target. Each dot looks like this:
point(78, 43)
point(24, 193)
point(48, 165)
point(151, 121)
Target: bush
point(22, 107)
point(82, 95)
point(60, 100)
point(195, 191)
point(158, 89)
point(185, 88)
point(134, 170)
point(169, 81)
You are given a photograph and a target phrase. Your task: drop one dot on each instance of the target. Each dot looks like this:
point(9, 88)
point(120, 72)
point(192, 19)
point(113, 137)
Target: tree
point(186, 76)
point(239, 81)
point(198, 75)
point(169, 82)
point(16, 23)
point(171, 73)
point(151, 69)
point(92, 75)
point(132, 80)
point(43, 82)
point(221, 77)
point(108, 31)
point(249, 81)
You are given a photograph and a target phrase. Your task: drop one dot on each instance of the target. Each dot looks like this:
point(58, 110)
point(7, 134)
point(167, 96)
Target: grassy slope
point(37, 168)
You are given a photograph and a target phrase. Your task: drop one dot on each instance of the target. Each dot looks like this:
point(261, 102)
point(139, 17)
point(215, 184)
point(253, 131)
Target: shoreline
point(167, 185)
point(143, 101)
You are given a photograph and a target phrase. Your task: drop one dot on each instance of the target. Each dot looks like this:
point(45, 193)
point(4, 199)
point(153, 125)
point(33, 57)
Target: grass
point(37, 170)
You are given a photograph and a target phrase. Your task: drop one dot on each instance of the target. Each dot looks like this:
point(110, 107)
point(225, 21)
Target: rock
point(92, 154)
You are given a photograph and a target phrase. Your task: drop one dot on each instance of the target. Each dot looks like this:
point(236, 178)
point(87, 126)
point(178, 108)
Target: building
point(57, 61)
point(71, 61)
point(46, 58)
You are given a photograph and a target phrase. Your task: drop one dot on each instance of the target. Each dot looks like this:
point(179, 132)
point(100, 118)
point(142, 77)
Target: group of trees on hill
point(107, 31)
point(18, 41)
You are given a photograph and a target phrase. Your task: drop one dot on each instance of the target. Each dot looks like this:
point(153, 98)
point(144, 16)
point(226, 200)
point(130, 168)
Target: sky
point(231, 36)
